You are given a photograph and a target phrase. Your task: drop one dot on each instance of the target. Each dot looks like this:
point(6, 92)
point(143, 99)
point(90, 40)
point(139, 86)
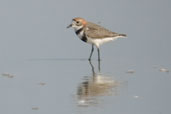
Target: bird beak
point(69, 26)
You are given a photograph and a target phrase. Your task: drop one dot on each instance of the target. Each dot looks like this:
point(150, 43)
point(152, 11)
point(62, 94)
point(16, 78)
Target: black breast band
point(78, 31)
point(84, 38)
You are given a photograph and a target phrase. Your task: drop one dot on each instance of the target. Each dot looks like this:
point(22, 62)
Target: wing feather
point(96, 31)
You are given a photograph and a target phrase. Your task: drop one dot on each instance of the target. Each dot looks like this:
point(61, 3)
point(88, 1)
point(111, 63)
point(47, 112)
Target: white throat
point(77, 27)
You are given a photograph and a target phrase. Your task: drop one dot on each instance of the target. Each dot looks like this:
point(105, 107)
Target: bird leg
point(99, 66)
point(98, 50)
point(92, 49)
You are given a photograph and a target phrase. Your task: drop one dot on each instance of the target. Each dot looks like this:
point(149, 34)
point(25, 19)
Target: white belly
point(98, 42)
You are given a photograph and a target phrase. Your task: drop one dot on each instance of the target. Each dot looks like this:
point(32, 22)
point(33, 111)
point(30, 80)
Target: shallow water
point(44, 67)
point(55, 86)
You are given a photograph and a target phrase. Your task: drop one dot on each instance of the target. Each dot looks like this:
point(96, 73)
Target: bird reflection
point(95, 86)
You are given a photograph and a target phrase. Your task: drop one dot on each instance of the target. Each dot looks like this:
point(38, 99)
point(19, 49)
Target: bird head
point(77, 23)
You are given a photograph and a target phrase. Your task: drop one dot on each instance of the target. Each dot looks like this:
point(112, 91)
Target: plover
point(92, 33)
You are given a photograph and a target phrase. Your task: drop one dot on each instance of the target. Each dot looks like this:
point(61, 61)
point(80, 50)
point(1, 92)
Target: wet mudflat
point(44, 67)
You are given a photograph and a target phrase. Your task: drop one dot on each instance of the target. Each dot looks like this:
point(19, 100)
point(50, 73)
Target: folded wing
point(96, 31)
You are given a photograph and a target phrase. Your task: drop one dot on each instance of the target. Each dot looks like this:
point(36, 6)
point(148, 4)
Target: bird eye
point(78, 23)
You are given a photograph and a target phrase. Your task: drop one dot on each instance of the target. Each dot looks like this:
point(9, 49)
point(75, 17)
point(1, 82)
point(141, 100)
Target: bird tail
point(122, 35)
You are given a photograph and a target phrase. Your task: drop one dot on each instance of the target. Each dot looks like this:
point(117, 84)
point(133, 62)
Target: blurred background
point(43, 65)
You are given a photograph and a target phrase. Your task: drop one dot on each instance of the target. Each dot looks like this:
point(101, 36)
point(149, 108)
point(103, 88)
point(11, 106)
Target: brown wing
point(96, 31)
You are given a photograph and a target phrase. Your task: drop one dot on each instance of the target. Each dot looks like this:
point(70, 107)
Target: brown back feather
point(96, 31)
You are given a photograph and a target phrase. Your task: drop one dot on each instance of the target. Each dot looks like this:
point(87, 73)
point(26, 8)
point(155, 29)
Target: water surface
point(44, 67)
